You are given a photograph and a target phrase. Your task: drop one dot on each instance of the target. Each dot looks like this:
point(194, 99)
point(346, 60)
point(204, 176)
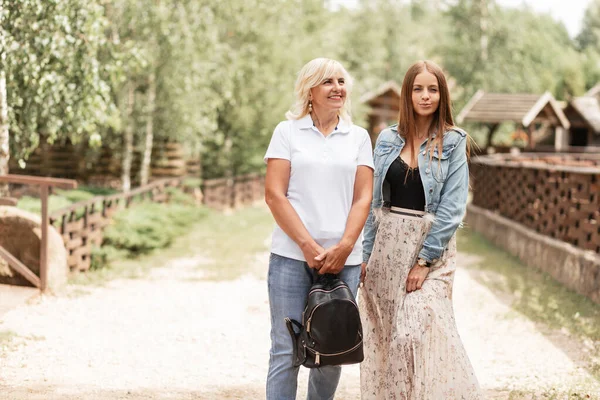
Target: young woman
point(412, 347)
point(318, 186)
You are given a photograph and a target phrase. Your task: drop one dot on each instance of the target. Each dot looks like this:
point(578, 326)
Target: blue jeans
point(289, 282)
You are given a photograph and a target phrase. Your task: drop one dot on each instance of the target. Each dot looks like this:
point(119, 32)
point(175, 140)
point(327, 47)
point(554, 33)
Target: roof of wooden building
point(385, 89)
point(589, 109)
point(384, 102)
point(505, 107)
point(593, 92)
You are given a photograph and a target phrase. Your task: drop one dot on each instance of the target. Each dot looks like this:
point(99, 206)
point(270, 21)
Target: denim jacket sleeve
point(369, 235)
point(452, 205)
point(371, 225)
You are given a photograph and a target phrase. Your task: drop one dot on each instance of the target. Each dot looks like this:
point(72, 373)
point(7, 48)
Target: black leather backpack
point(331, 331)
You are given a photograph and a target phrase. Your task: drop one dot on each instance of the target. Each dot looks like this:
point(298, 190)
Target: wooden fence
point(557, 195)
point(81, 224)
point(227, 193)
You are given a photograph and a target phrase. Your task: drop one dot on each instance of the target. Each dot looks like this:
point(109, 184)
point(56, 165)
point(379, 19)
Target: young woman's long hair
point(442, 118)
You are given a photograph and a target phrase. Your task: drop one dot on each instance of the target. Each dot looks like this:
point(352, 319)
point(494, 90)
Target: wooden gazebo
point(384, 105)
point(538, 115)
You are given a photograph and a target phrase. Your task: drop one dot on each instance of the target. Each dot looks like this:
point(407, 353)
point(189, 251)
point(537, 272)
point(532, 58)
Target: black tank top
point(406, 191)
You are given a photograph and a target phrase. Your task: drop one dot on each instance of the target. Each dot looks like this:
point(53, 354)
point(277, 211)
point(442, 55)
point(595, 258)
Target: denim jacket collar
point(394, 128)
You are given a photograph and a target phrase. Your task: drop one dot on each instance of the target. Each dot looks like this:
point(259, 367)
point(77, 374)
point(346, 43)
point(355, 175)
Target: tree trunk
point(483, 24)
point(145, 168)
point(128, 139)
point(4, 138)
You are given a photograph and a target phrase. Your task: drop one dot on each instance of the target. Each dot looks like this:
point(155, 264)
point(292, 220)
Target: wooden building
point(539, 116)
point(584, 115)
point(384, 106)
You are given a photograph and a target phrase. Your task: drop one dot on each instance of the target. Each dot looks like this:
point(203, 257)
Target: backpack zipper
point(318, 355)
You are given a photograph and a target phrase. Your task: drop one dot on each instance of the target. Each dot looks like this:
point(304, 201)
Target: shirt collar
point(306, 122)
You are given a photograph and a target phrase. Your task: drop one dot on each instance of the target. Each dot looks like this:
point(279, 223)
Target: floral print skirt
point(411, 344)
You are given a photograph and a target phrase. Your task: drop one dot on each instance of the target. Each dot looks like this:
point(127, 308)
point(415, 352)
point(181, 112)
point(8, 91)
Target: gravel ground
point(174, 335)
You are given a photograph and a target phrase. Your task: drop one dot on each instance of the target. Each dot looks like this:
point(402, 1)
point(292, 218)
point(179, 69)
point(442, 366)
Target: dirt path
point(174, 335)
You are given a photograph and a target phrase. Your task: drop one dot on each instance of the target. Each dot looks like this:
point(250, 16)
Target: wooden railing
point(226, 193)
point(44, 184)
point(81, 224)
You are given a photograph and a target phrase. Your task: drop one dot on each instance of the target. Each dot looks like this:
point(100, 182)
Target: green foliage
point(225, 70)
point(149, 226)
point(34, 204)
point(102, 257)
point(53, 75)
point(590, 32)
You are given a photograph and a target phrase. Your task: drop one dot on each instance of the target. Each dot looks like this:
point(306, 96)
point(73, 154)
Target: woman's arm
point(453, 203)
point(276, 186)
point(335, 257)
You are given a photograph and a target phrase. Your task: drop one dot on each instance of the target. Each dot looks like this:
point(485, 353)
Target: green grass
point(232, 241)
point(6, 337)
point(536, 294)
point(7, 340)
point(229, 241)
point(62, 198)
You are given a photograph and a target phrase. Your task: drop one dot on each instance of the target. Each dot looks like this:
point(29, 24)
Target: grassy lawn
point(534, 294)
point(229, 243)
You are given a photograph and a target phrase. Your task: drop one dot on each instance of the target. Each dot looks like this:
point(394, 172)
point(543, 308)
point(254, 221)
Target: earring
point(310, 106)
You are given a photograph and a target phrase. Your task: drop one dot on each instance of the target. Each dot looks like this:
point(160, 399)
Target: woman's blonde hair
point(313, 74)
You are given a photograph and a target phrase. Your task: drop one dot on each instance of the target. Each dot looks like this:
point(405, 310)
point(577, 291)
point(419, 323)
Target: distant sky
point(569, 12)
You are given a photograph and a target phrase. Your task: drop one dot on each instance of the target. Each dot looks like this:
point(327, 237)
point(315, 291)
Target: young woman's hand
point(416, 277)
point(363, 272)
point(311, 251)
point(334, 258)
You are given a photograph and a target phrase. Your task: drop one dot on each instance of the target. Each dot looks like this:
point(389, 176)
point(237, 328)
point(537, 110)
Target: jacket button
point(427, 171)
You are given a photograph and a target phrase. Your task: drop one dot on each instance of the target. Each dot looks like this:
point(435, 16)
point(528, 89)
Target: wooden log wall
point(554, 195)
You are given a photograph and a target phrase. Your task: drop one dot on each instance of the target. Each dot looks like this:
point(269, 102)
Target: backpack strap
point(289, 323)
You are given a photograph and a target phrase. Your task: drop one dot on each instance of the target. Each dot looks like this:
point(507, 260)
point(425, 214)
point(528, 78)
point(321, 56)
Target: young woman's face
point(329, 94)
point(425, 94)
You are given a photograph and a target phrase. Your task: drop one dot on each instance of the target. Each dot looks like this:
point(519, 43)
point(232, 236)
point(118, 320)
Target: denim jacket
point(445, 181)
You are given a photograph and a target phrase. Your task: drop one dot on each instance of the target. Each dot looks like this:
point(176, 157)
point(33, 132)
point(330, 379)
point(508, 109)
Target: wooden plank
point(74, 243)
point(74, 226)
point(20, 267)
point(8, 201)
point(36, 180)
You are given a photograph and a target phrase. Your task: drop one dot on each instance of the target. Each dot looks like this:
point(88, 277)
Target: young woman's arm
point(452, 207)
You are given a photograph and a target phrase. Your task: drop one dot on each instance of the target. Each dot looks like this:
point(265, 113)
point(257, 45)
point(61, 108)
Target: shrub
point(148, 226)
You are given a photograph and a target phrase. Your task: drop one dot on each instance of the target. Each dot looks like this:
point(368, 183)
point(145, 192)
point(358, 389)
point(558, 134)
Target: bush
point(102, 256)
point(148, 226)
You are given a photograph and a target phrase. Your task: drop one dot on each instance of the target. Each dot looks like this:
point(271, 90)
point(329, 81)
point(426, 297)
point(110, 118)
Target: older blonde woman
point(319, 185)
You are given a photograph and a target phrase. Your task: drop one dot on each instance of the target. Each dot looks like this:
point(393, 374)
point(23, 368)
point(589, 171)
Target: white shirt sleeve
point(365, 152)
point(280, 143)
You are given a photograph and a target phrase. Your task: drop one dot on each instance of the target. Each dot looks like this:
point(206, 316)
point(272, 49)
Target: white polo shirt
point(321, 186)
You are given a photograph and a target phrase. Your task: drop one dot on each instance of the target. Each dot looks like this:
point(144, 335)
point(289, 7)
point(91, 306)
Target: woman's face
point(425, 94)
point(330, 94)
